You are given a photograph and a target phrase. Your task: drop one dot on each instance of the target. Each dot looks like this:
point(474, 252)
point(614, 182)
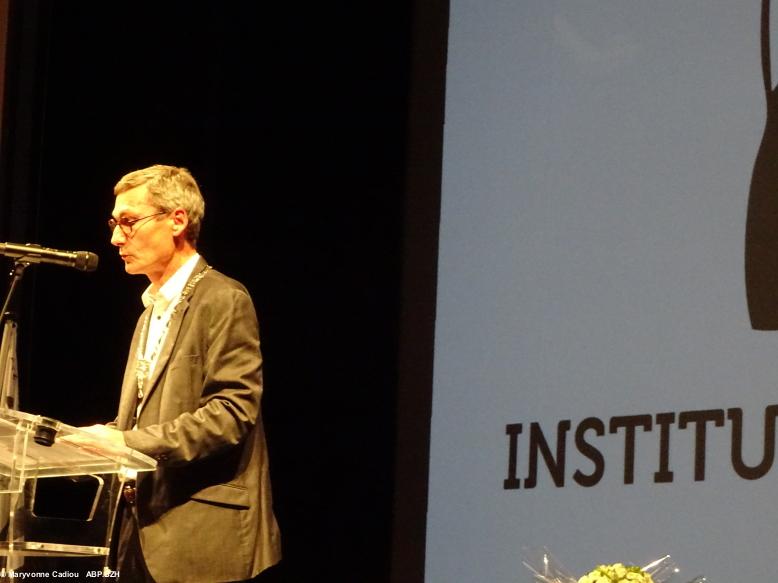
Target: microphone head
point(86, 261)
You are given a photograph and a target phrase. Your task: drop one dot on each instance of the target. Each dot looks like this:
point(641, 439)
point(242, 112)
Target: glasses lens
point(126, 225)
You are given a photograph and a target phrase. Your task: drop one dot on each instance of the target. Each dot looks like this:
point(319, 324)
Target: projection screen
point(606, 351)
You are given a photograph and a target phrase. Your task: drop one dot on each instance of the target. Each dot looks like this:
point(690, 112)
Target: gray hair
point(170, 188)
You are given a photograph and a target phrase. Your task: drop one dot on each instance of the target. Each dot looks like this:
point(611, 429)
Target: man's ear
point(180, 221)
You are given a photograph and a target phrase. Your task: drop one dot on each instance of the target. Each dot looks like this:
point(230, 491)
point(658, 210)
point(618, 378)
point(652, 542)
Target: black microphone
point(31, 253)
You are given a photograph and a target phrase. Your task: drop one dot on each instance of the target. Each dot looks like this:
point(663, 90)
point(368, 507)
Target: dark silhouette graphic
point(762, 220)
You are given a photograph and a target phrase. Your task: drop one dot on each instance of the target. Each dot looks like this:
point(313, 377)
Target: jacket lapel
point(170, 338)
point(167, 350)
point(129, 394)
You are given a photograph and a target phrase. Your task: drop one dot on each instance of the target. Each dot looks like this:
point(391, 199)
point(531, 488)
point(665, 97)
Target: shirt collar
point(172, 287)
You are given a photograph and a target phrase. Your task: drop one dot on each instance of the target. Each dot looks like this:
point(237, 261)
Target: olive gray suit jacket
point(205, 514)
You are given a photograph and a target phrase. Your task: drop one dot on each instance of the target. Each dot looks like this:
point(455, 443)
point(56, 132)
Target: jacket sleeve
point(222, 378)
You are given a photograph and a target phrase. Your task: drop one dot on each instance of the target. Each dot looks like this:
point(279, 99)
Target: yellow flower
point(616, 573)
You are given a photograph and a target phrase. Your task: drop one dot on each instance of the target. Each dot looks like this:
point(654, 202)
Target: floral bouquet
point(546, 569)
point(617, 573)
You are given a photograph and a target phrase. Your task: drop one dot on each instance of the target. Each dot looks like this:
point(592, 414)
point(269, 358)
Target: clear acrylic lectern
point(59, 490)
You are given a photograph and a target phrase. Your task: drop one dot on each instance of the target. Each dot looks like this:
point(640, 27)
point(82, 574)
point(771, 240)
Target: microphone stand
point(16, 274)
point(9, 387)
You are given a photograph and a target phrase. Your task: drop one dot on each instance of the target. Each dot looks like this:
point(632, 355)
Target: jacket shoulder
point(216, 286)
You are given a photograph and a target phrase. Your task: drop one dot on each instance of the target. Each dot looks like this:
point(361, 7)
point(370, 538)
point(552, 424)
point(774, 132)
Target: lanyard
point(144, 359)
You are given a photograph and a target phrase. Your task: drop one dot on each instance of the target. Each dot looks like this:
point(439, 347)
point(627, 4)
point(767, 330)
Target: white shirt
point(164, 302)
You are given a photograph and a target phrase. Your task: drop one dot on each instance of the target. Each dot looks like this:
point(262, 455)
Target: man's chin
point(132, 268)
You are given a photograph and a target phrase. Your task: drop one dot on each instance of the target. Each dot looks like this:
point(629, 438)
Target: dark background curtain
point(314, 131)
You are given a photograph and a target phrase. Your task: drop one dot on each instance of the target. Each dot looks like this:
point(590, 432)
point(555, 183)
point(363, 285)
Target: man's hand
point(109, 434)
point(99, 438)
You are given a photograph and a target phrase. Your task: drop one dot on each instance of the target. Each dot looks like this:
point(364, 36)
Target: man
point(190, 399)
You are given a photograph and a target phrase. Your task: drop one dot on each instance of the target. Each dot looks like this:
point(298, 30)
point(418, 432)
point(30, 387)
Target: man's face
point(150, 246)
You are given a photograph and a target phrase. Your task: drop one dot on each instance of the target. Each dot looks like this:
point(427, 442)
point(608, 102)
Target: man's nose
point(118, 237)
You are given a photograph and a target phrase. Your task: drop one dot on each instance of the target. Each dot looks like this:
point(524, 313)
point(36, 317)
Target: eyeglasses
point(127, 225)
